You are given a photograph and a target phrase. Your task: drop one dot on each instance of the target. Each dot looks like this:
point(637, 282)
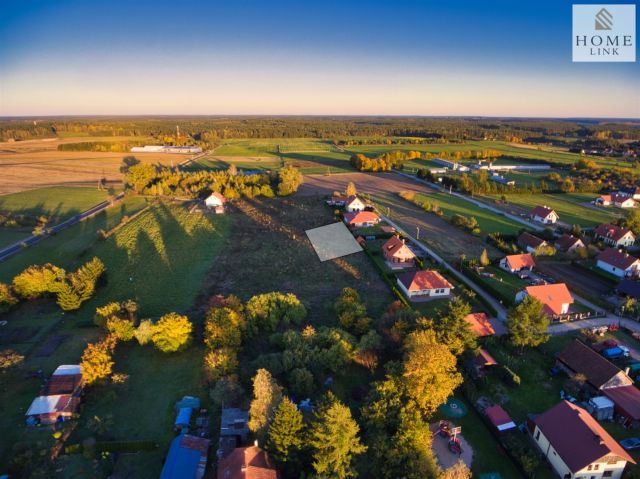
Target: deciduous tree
point(267, 395)
point(172, 333)
point(527, 323)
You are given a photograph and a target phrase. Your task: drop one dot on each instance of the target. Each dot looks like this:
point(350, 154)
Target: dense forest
point(210, 129)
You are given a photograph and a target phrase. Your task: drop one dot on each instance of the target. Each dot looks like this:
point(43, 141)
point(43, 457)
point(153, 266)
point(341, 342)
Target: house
point(499, 418)
point(600, 373)
point(631, 192)
point(603, 200)
point(618, 262)
point(216, 202)
point(614, 235)
point(626, 400)
point(517, 262)
point(577, 446)
point(622, 201)
point(568, 243)
point(52, 409)
point(480, 324)
point(187, 457)
point(531, 243)
point(361, 219)
point(235, 422)
point(354, 204)
point(421, 283)
point(396, 251)
point(544, 214)
point(483, 361)
point(556, 298)
point(247, 463)
point(629, 287)
point(59, 398)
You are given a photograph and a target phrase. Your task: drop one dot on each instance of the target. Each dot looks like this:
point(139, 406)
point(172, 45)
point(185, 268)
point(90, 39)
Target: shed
point(188, 401)
point(187, 457)
point(627, 403)
point(183, 417)
point(499, 418)
point(601, 408)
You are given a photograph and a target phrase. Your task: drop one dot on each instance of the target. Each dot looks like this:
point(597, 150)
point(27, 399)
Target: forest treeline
point(211, 128)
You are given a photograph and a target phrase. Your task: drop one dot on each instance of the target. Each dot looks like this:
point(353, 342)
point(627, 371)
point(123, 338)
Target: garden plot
point(333, 241)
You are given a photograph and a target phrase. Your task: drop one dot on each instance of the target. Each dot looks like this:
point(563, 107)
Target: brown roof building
point(576, 445)
point(601, 374)
point(247, 463)
point(480, 324)
point(568, 243)
point(529, 242)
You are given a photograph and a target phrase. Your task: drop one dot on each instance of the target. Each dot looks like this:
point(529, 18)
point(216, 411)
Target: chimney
point(626, 370)
point(255, 443)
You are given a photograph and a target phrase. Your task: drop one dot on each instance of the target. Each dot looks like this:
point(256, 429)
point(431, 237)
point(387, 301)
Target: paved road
point(15, 248)
point(478, 203)
point(502, 312)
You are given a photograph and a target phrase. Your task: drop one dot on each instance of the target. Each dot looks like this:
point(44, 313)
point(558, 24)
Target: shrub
point(121, 328)
point(97, 362)
point(144, 331)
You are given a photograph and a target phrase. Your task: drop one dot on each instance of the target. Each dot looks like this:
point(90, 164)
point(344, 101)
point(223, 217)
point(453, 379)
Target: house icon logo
point(604, 20)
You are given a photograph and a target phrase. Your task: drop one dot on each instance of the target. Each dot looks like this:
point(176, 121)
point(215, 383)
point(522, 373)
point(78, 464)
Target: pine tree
point(484, 258)
point(285, 433)
point(267, 395)
point(334, 440)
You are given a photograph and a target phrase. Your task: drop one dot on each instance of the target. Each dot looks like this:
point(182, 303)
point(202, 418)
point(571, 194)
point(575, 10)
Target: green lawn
point(272, 146)
point(9, 236)
point(57, 203)
point(503, 282)
point(569, 207)
point(160, 259)
point(489, 222)
point(214, 163)
point(64, 248)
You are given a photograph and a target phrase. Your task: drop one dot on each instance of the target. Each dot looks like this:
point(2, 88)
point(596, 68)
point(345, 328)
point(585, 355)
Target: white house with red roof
point(395, 251)
point(615, 235)
point(555, 298)
point(215, 201)
point(568, 243)
point(544, 214)
point(517, 262)
point(421, 284)
point(576, 445)
point(618, 262)
point(353, 203)
point(361, 219)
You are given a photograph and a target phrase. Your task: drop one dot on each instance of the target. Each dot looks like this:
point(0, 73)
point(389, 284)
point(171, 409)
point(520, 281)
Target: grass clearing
point(570, 207)
point(57, 203)
point(489, 221)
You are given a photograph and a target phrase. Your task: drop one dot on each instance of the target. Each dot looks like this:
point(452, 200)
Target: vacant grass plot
point(272, 146)
point(489, 221)
point(57, 203)
point(324, 162)
point(242, 163)
point(69, 247)
point(573, 208)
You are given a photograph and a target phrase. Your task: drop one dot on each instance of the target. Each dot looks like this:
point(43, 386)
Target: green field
point(65, 248)
point(570, 207)
point(216, 163)
point(57, 203)
point(151, 259)
point(272, 146)
point(489, 222)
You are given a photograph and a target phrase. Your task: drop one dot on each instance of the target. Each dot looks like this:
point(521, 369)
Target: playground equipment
point(448, 430)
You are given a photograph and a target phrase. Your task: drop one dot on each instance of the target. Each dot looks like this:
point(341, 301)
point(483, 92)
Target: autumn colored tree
point(35, 281)
point(144, 332)
point(429, 370)
point(122, 329)
point(458, 471)
point(7, 298)
point(289, 179)
point(224, 328)
point(267, 395)
point(484, 258)
point(172, 333)
point(267, 311)
point(139, 176)
point(351, 189)
point(527, 324)
point(97, 362)
point(285, 436)
point(219, 363)
point(334, 440)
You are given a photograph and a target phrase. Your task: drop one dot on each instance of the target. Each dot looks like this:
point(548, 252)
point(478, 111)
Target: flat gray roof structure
point(333, 241)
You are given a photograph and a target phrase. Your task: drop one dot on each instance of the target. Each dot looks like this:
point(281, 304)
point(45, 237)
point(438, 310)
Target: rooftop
point(520, 261)
point(552, 296)
point(422, 280)
point(617, 258)
point(614, 232)
point(580, 358)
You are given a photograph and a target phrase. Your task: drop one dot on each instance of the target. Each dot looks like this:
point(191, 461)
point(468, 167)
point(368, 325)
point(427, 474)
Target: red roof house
point(396, 251)
point(618, 262)
point(556, 298)
point(544, 214)
point(615, 235)
point(517, 262)
point(575, 444)
point(568, 243)
point(247, 463)
point(214, 200)
point(499, 418)
point(480, 324)
point(421, 283)
point(361, 219)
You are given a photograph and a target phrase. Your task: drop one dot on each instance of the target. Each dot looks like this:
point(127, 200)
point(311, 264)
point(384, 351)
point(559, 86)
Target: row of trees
point(150, 179)
point(70, 289)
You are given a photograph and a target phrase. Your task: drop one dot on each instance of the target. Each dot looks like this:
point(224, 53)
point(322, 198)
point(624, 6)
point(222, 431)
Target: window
point(538, 435)
point(596, 467)
point(607, 474)
point(590, 467)
point(567, 476)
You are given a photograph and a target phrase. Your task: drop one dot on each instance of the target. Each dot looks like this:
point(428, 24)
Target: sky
point(475, 58)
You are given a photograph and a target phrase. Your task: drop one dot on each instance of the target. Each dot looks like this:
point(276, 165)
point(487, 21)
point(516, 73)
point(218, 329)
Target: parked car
point(614, 353)
point(631, 443)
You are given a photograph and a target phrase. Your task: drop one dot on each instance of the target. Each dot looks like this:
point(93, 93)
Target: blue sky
point(491, 58)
